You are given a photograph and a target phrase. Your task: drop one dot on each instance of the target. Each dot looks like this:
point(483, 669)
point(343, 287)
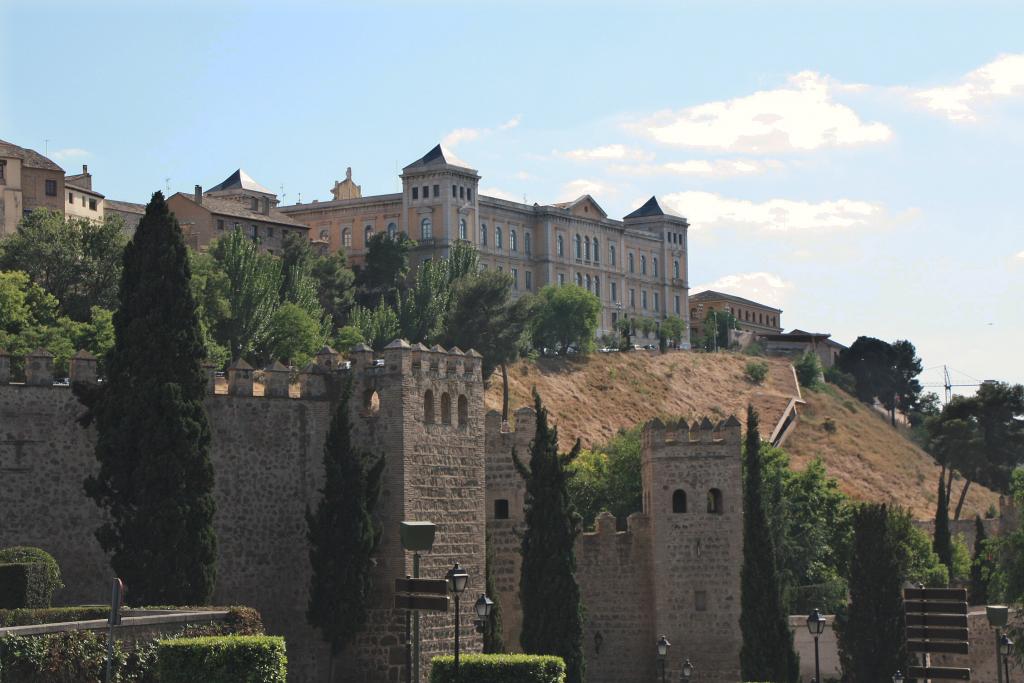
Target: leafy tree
point(767, 652)
point(377, 327)
point(808, 369)
point(210, 287)
point(981, 565)
point(608, 478)
point(343, 536)
point(884, 371)
point(674, 329)
point(155, 480)
point(872, 639)
point(335, 286)
point(907, 366)
point(549, 594)
point(716, 326)
point(76, 260)
point(565, 317)
point(347, 337)
point(386, 267)
point(294, 337)
point(422, 308)
point(942, 542)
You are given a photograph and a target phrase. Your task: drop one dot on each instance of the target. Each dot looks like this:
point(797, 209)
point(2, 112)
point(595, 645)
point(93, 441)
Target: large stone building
point(28, 180)
point(237, 203)
point(82, 200)
point(751, 316)
point(636, 266)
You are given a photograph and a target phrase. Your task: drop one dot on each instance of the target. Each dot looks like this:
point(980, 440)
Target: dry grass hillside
point(594, 398)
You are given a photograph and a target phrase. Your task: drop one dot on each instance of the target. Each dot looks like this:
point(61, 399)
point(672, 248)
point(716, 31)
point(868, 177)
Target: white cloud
point(523, 175)
point(460, 135)
point(1002, 77)
point(1020, 255)
point(581, 186)
point(500, 194)
point(511, 123)
point(69, 153)
point(765, 288)
point(801, 116)
point(614, 152)
point(714, 168)
point(708, 210)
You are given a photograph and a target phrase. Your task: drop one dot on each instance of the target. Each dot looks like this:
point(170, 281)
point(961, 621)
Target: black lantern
point(897, 677)
point(687, 671)
point(1005, 645)
point(457, 579)
point(483, 606)
point(816, 626)
point(663, 646)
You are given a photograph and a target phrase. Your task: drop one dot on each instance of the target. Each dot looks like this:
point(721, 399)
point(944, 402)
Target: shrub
point(499, 669)
point(808, 370)
point(37, 584)
point(756, 371)
point(843, 380)
point(222, 659)
point(52, 615)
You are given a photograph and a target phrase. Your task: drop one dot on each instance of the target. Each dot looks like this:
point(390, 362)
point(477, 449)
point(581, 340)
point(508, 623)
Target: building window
point(51, 188)
point(462, 229)
point(270, 231)
point(324, 235)
point(446, 408)
point(515, 278)
point(579, 246)
point(677, 304)
point(483, 234)
point(526, 243)
point(560, 248)
point(654, 264)
point(455, 192)
point(643, 299)
point(415, 193)
point(513, 243)
point(92, 204)
point(437, 190)
point(501, 508)
point(656, 304)
point(611, 254)
point(426, 229)
point(615, 293)
point(462, 192)
point(561, 279)
point(255, 231)
point(700, 601)
point(426, 191)
point(597, 286)
point(529, 280)
point(238, 226)
point(586, 252)
point(715, 502)
point(469, 193)
point(588, 282)
point(71, 197)
point(643, 264)
point(632, 298)
point(497, 237)
point(679, 501)
point(346, 238)
point(675, 269)
point(428, 407)
point(392, 230)
point(579, 279)
point(3, 172)
point(597, 252)
point(463, 411)
point(220, 223)
point(632, 269)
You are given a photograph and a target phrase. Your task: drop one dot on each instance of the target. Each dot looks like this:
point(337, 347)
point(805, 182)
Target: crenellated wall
point(267, 453)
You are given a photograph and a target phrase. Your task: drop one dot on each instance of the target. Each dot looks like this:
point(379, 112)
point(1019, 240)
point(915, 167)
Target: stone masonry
point(267, 453)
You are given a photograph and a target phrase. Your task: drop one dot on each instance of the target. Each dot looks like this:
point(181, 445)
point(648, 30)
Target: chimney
point(87, 181)
point(199, 195)
point(266, 206)
point(85, 169)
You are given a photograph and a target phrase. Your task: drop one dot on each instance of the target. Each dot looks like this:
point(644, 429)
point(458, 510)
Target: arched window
point(588, 282)
point(462, 229)
point(679, 501)
point(597, 252)
point(392, 230)
point(346, 237)
point(367, 234)
point(324, 235)
point(428, 407)
point(426, 229)
point(675, 269)
point(597, 285)
point(483, 234)
point(501, 508)
point(632, 268)
point(513, 242)
point(561, 246)
point(371, 402)
point(526, 243)
point(446, 408)
point(497, 237)
point(611, 254)
point(715, 502)
point(586, 244)
point(463, 411)
point(643, 264)
point(579, 280)
point(579, 246)
point(654, 263)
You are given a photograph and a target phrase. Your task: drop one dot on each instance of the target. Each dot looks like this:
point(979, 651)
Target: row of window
point(674, 237)
point(254, 230)
point(458, 192)
point(715, 505)
point(593, 284)
point(446, 409)
point(753, 317)
point(513, 239)
point(92, 202)
point(515, 276)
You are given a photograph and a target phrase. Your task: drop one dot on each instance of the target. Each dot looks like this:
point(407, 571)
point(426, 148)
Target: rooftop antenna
point(283, 195)
point(300, 198)
point(167, 185)
point(46, 147)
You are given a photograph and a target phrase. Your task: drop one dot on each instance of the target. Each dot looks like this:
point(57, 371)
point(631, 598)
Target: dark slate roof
point(30, 157)
point(439, 156)
point(230, 207)
point(652, 208)
point(239, 180)
point(711, 295)
point(124, 207)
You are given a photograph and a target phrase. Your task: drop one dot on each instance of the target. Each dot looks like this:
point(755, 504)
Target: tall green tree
point(872, 639)
point(378, 327)
point(549, 593)
point(566, 317)
point(906, 369)
point(155, 480)
point(767, 652)
point(981, 564)
point(342, 535)
point(386, 267)
point(942, 541)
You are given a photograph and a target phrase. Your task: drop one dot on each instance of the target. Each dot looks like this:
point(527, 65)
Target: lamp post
point(416, 537)
point(816, 626)
point(1005, 648)
point(457, 579)
point(897, 677)
point(998, 616)
point(483, 607)
point(663, 646)
point(687, 672)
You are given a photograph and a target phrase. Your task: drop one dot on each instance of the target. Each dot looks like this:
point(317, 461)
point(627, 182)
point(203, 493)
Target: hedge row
point(218, 659)
point(52, 615)
point(498, 669)
point(28, 578)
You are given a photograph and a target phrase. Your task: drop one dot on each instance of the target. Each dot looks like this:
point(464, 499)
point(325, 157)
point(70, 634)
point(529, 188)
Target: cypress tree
point(942, 541)
point(155, 479)
point(981, 565)
point(872, 639)
point(549, 593)
point(342, 535)
point(767, 653)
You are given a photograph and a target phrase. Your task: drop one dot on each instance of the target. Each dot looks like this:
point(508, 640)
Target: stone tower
point(440, 201)
point(692, 498)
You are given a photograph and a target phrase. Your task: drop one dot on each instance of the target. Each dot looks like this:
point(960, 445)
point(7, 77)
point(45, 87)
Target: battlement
point(658, 434)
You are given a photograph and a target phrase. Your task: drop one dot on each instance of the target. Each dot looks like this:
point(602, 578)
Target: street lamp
point(816, 626)
point(687, 672)
point(483, 607)
point(1005, 648)
point(998, 615)
point(457, 579)
point(663, 646)
point(897, 677)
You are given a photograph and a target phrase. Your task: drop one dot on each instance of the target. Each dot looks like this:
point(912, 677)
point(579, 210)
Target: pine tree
point(942, 541)
point(494, 641)
point(153, 440)
point(981, 565)
point(549, 593)
point(872, 639)
point(342, 535)
point(767, 653)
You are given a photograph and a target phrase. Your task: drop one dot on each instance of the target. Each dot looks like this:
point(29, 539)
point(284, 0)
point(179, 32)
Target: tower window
point(415, 193)
point(679, 501)
point(715, 502)
point(501, 508)
point(446, 409)
point(463, 411)
point(428, 407)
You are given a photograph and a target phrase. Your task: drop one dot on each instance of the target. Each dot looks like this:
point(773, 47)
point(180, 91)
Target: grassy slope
point(594, 398)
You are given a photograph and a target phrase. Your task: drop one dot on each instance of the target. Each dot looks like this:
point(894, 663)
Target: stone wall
point(267, 454)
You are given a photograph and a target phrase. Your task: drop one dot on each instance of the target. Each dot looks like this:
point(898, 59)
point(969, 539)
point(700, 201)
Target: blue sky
point(857, 164)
